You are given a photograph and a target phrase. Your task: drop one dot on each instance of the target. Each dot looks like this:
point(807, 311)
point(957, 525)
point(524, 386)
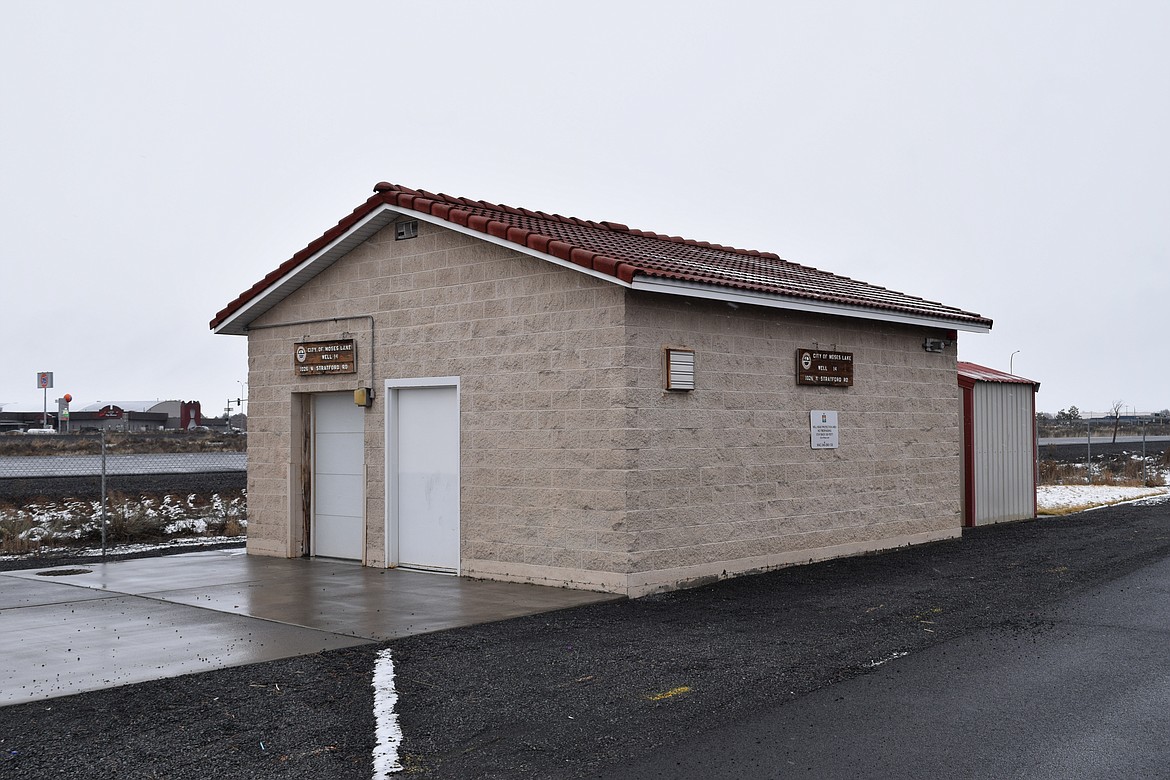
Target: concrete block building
point(459, 386)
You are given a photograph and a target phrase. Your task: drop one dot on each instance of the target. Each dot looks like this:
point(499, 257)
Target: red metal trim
point(1035, 455)
point(969, 457)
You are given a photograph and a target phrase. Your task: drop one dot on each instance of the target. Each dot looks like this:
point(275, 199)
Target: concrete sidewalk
point(66, 630)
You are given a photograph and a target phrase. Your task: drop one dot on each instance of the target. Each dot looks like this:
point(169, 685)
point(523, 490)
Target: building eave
point(730, 295)
point(236, 324)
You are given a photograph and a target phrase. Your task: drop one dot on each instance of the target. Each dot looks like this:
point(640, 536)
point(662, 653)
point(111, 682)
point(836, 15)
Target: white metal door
point(425, 433)
point(338, 476)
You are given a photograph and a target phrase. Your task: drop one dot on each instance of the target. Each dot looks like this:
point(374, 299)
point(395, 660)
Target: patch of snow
point(1064, 497)
point(196, 525)
point(122, 549)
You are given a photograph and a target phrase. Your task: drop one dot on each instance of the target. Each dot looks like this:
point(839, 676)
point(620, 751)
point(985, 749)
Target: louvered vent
point(404, 230)
point(680, 369)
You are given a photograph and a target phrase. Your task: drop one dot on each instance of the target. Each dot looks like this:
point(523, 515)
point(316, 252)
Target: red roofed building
point(999, 445)
point(579, 403)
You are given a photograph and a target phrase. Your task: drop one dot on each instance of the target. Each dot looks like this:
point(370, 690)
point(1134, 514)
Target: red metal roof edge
point(456, 210)
point(978, 373)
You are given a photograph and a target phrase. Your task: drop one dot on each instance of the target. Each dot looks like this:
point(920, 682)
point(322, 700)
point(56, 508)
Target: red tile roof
point(615, 250)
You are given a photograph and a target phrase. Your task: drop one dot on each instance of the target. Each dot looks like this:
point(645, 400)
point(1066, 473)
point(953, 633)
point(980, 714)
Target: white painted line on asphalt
point(387, 734)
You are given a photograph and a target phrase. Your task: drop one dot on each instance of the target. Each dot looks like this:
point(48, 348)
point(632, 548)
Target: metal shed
point(999, 445)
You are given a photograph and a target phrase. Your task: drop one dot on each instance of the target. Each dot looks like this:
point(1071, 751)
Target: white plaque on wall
point(823, 428)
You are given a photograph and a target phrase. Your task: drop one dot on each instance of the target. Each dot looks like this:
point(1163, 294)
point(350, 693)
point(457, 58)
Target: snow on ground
point(70, 526)
point(1059, 499)
point(48, 553)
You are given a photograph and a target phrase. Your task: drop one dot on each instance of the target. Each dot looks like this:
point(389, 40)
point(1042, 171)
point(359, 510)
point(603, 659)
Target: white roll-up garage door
point(338, 476)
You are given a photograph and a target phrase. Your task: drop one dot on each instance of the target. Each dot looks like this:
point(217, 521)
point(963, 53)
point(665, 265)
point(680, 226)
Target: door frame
point(391, 449)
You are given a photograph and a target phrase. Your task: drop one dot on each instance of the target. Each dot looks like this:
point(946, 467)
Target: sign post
point(44, 382)
point(63, 413)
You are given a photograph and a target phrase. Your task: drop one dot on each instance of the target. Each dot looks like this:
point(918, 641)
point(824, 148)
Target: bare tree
point(1115, 410)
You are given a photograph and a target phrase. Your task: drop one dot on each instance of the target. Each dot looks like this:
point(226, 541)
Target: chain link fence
point(1113, 450)
point(108, 489)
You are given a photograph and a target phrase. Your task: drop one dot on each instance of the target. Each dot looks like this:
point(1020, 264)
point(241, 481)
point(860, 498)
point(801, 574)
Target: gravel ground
point(566, 694)
point(1075, 453)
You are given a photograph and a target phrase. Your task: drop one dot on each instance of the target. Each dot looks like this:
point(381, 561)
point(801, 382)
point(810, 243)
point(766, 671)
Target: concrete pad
point(65, 648)
point(169, 572)
point(109, 624)
point(29, 593)
point(380, 604)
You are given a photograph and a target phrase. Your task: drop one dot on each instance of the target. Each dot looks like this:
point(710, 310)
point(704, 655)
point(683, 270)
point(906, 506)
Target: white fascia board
point(711, 292)
point(237, 324)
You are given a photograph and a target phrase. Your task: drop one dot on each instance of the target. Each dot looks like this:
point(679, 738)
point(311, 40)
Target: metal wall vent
point(680, 369)
point(403, 230)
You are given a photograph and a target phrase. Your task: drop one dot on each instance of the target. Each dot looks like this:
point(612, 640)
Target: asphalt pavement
point(1027, 649)
point(1084, 694)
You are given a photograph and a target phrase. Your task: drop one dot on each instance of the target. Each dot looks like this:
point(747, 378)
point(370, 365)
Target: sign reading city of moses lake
point(313, 358)
point(816, 367)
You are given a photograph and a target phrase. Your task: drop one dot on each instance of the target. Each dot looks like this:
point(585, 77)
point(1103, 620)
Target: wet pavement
point(72, 629)
point(1032, 649)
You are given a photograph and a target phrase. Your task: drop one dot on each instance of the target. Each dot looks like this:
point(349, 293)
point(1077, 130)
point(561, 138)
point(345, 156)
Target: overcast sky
point(1007, 158)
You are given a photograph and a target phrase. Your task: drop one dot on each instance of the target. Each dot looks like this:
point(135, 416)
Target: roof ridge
point(384, 187)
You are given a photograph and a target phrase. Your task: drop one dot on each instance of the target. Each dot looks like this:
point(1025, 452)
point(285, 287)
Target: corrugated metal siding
point(1005, 485)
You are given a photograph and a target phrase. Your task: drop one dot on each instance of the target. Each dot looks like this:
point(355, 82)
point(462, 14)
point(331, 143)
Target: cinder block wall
point(725, 479)
point(544, 399)
point(577, 467)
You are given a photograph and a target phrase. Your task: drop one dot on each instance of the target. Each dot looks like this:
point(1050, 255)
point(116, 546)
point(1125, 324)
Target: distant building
point(138, 416)
point(117, 416)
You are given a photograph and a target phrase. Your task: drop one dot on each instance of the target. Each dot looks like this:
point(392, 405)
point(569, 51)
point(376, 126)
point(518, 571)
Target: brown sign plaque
point(818, 367)
point(313, 358)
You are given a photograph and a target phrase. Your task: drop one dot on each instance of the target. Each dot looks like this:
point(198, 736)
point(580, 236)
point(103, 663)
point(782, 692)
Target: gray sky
point(156, 159)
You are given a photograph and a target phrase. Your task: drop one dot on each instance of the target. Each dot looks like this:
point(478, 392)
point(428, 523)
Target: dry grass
point(1060, 511)
point(33, 525)
point(1125, 472)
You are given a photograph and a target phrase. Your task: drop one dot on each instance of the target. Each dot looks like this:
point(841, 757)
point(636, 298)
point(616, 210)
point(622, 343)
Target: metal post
point(1145, 466)
point(104, 521)
point(1089, 450)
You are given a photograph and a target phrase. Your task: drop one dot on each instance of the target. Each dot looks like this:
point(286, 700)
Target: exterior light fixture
point(934, 345)
point(364, 396)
